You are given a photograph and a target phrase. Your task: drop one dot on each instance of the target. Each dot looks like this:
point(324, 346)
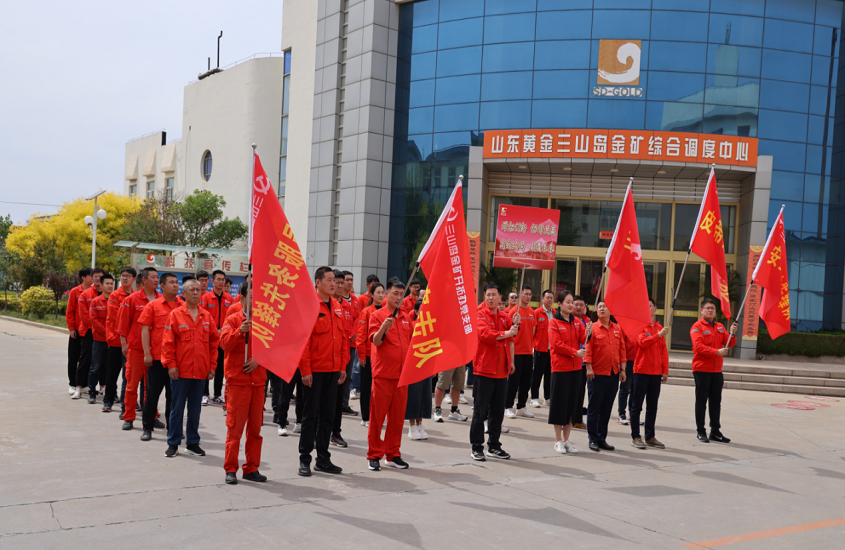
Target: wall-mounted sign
point(618, 73)
point(751, 314)
point(229, 264)
point(474, 238)
point(621, 144)
point(526, 237)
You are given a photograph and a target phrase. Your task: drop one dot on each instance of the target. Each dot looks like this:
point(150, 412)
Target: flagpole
point(678, 288)
point(248, 280)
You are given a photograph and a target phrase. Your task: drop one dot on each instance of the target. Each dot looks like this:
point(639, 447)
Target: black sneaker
point(718, 437)
point(304, 469)
point(147, 435)
point(158, 424)
point(477, 455)
point(397, 462)
point(498, 453)
point(327, 468)
point(172, 450)
point(195, 450)
point(349, 411)
point(374, 465)
point(702, 436)
point(255, 476)
point(231, 478)
point(127, 425)
point(337, 440)
point(92, 399)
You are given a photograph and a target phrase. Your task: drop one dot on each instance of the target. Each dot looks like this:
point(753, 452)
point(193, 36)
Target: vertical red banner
point(474, 238)
point(751, 316)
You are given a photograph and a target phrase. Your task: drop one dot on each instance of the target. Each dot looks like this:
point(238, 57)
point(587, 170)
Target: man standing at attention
point(542, 356)
point(710, 343)
point(519, 383)
point(578, 420)
point(97, 314)
point(605, 362)
point(217, 302)
point(116, 359)
point(651, 369)
point(74, 328)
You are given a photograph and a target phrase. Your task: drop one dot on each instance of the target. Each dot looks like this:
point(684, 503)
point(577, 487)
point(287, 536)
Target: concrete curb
point(33, 324)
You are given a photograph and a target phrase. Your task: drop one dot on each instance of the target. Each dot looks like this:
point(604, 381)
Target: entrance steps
point(775, 376)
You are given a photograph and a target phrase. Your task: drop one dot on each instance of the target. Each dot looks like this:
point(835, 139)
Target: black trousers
point(626, 392)
point(114, 362)
point(520, 381)
point(366, 389)
point(645, 387)
point(602, 390)
point(489, 404)
point(317, 416)
point(542, 371)
point(218, 376)
point(157, 379)
point(74, 347)
point(578, 417)
point(708, 387)
point(275, 383)
point(84, 365)
point(342, 396)
point(285, 396)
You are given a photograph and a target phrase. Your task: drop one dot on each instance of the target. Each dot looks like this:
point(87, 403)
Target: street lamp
point(91, 221)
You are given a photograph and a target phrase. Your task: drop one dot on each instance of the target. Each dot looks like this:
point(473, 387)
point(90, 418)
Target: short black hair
point(415, 282)
point(147, 270)
point(652, 302)
point(107, 276)
point(243, 290)
point(372, 278)
point(418, 304)
point(526, 287)
point(338, 274)
point(164, 277)
point(561, 296)
point(187, 278)
point(215, 272)
point(139, 279)
point(130, 270)
point(579, 297)
point(710, 301)
point(201, 273)
point(229, 281)
point(97, 269)
point(84, 272)
point(488, 286)
point(345, 273)
point(395, 283)
point(321, 272)
point(547, 291)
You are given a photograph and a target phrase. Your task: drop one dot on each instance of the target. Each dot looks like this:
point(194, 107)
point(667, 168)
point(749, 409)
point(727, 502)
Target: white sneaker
point(463, 400)
point(71, 389)
point(548, 401)
point(509, 413)
point(438, 415)
point(524, 412)
point(569, 447)
point(283, 431)
point(421, 432)
point(535, 403)
point(485, 426)
point(297, 428)
point(76, 394)
point(622, 420)
point(560, 447)
point(353, 395)
point(504, 429)
point(447, 399)
point(204, 400)
point(222, 399)
point(413, 433)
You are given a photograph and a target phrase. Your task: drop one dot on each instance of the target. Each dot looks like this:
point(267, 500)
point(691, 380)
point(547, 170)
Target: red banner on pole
point(772, 273)
point(709, 243)
point(751, 313)
point(526, 237)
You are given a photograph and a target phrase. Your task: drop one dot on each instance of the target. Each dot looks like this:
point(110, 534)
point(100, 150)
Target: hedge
point(807, 344)
point(13, 304)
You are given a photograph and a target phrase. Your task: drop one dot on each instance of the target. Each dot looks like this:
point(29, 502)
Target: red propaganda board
point(621, 144)
point(792, 406)
point(474, 238)
point(806, 404)
point(526, 237)
point(751, 315)
point(820, 398)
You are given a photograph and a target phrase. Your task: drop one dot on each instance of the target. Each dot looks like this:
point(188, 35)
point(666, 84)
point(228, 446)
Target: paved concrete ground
point(72, 478)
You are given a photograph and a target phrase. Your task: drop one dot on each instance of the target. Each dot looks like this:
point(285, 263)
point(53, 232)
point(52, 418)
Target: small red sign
point(605, 235)
point(792, 406)
point(820, 398)
point(526, 237)
point(806, 404)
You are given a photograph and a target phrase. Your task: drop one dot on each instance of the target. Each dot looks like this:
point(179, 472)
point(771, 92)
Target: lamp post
point(91, 221)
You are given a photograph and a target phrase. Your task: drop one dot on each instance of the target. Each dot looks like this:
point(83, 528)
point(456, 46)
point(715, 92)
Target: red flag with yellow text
point(772, 274)
point(627, 293)
point(284, 303)
point(709, 243)
point(444, 335)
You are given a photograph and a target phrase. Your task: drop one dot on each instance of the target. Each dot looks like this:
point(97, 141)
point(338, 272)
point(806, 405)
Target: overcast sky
point(80, 79)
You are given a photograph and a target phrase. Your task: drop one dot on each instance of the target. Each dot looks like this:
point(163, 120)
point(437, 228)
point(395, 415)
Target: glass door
point(566, 275)
point(655, 279)
point(686, 308)
point(589, 280)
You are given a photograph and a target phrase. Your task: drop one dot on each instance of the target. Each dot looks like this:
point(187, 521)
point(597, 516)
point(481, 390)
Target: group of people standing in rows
point(177, 343)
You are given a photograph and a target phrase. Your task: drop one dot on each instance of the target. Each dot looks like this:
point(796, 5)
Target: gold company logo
point(619, 62)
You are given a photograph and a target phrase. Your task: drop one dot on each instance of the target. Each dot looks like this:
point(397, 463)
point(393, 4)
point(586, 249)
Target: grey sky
point(80, 79)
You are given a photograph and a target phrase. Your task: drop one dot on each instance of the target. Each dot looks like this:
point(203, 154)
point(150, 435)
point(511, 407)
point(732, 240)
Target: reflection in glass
point(591, 282)
point(565, 275)
point(655, 279)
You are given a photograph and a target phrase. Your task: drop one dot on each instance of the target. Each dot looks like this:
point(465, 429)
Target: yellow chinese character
point(265, 313)
point(707, 222)
point(283, 276)
point(719, 235)
point(427, 350)
point(774, 257)
point(290, 255)
point(424, 324)
point(427, 296)
point(288, 232)
point(264, 334)
point(270, 291)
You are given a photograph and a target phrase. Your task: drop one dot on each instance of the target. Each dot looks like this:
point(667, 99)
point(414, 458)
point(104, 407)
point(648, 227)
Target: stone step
point(794, 386)
point(767, 379)
point(761, 368)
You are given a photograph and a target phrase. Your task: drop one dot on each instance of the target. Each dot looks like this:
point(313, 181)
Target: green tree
point(5, 227)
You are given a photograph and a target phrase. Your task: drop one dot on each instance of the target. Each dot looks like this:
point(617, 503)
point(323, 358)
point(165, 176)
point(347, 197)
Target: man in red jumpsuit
point(389, 331)
point(74, 328)
point(217, 302)
point(116, 360)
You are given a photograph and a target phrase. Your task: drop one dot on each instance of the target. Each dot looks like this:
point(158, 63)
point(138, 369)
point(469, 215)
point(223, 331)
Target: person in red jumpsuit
point(97, 313)
point(245, 380)
point(74, 329)
point(389, 330)
point(217, 302)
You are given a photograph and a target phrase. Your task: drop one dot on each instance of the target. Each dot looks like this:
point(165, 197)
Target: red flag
point(627, 293)
point(444, 335)
point(708, 242)
point(284, 303)
point(772, 274)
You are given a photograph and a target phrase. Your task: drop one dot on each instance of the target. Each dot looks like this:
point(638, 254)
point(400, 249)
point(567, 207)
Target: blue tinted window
point(686, 5)
point(562, 54)
point(451, 118)
point(446, 145)
point(622, 114)
point(818, 101)
point(814, 160)
point(733, 60)
point(561, 84)
point(829, 12)
point(786, 35)
point(678, 117)
point(421, 93)
point(422, 65)
point(729, 121)
point(418, 14)
point(810, 222)
point(621, 23)
point(505, 115)
point(821, 71)
point(450, 11)
point(622, 4)
point(458, 89)
point(732, 90)
point(287, 62)
point(559, 113)
point(782, 125)
point(467, 32)
point(498, 7)
point(507, 57)
point(748, 7)
point(678, 25)
point(500, 86)
point(787, 186)
point(687, 87)
point(546, 5)
point(424, 39)
point(509, 28)
point(822, 42)
point(414, 149)
point(459, 61)
point(736, 30)
point(420, 121)
point(558, 25)
point(786, 66)
point(792, 10)
point(815, 130)
point(677, 56)
point(787, 156)
point(811, 189)
point(787, 96)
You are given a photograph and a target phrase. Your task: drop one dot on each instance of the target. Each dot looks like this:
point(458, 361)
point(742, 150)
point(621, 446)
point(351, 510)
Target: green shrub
point(14, 304)
point(37, 301)
point(808, 344)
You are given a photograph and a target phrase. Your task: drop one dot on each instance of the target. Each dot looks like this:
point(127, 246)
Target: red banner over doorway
point(526, 237)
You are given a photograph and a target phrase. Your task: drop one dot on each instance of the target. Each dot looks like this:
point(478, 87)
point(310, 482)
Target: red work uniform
point(71, 312)
point(155, 315)
point(85, 300)
point(606, 349)
point(244, 398)
point(116, 298)
point(566, 337)
point(189, 345)
point(97, 314)
point(217, 307)
point(129, 327)
point(364, 301)
point(492, 357)
point(326, 350)
point(388, 399)
point(408, 304)
point(707, 339)
point(652, 355)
